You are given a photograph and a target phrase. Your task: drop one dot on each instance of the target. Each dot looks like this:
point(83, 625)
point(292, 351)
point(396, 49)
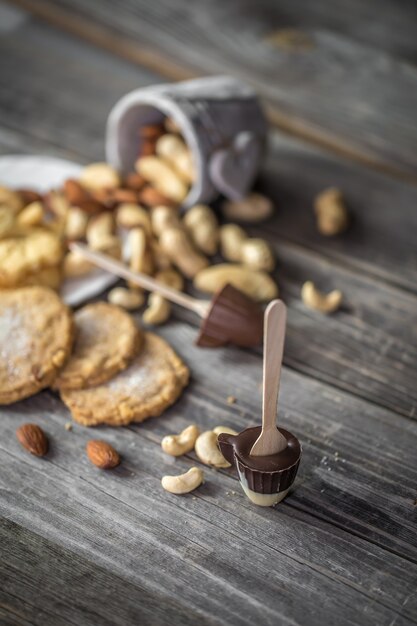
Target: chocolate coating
point(233, 318)
point(264, 474)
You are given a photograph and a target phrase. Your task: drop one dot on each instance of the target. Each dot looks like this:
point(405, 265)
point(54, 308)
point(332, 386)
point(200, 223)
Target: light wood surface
point(79, 546)
point(270, 441)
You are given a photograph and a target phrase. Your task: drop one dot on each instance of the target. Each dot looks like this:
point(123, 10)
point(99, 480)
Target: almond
point(134, 181)
point(33, 439)
point(74, 192)
point(151, 197)
point(102, 454)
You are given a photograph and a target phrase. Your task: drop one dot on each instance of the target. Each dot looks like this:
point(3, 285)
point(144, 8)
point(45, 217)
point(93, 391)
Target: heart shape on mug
point(233, 169)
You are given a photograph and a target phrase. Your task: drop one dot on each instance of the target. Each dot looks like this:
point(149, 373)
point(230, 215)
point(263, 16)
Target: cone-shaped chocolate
point(233, 318)
point(262, 474)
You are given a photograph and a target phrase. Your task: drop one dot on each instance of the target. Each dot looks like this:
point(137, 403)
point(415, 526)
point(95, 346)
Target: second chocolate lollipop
point(230, 317)
point(267, 457)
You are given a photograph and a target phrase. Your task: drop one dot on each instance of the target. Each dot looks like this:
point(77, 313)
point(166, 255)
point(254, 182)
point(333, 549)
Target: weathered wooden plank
point(126, 524)
point(368, 348)
point(43, 583)
point(337, 91)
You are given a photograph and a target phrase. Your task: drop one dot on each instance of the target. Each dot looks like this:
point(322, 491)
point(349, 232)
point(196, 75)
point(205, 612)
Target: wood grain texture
point(342, 91)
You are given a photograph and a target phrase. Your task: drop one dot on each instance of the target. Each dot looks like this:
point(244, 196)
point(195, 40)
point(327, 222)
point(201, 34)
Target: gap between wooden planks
point(164, 64)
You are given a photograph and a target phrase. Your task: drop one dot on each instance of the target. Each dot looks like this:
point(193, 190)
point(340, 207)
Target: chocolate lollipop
point(230, 317)
point(266, 457)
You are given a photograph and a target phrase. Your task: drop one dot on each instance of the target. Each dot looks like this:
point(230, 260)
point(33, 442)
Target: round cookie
point(106, 340)
point(36, 335)
point(152, 382)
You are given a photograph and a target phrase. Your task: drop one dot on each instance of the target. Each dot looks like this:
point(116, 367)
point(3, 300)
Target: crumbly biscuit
point(152, 382)
point(25, 254)
point(107, 339)
point(36, 335)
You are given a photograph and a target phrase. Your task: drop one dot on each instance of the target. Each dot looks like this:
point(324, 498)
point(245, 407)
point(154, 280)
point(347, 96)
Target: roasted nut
point(110, 245)
point(257, 254)
point(129, 299)
point(126, 196)
point(162, 177)
point(203, 228)
point(161, 260)
point(157, 311)
point(31, 215)
point(150, 197)
point(99, 176)
point(314, 299)
point(75, 265)
point(56, 203)
point(331, 212)
point(177, 245)
point(232, 237)
point(11, 199)
point(74, 192)
point(102, 454)
point(171, 278)
point(76, 224)
point(172, 148)
point(256, 284)
point(254, 208)
point(207, 450)
point(29, 195)
point(7, 221)
point(224, 429)
point(140, 255)
point(99, 229)
point(163, 218)
point(133, 215)
point(134, 181)
point(183, 483)
point(177, 445)
point(33, 439)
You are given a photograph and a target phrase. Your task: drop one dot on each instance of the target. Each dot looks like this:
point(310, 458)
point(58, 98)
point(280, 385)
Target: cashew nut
point(171, 126)
point(232, 237)
point(177, 445)
point(164, 217)
point(162, 177)
point(128, 299)
point(184, 483)
point(76, 223)
point(257, 253)
point(131, 215)
point(224, 429)
point(256, 284)
point(203, 227)
point(161, 260)
point(11, 199)
point(99, 228)
point(332, 215)
point(314, 299)
point(31, 215)
point(76, 265)
point(110, 245)
point(254, 208)
point(159, 309)
point(140, 254)
point(176, 243)
point(99, 176)
point(173, 149)
point(207, 450)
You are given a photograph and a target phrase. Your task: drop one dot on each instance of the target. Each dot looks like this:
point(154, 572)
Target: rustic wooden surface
point(79, 546)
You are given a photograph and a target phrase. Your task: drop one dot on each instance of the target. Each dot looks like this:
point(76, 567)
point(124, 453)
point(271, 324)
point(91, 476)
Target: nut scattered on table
point(183, 483)
point(331, 212)
point(177, 445)
point(315, 299)
point(33, 439)
point(102, 454)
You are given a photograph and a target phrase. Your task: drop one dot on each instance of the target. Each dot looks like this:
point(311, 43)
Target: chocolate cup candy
point(265, 479)
point(233, 318)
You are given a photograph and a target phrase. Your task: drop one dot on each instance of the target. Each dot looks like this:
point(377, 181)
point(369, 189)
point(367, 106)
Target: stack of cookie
point(105, 367)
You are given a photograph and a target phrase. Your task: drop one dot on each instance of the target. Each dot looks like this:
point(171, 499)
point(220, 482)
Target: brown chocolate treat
point(233, 318)
point(265, 479)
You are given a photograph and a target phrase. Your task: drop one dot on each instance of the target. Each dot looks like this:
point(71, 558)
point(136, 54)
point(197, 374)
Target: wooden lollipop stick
point(271, 441)
point(105, 262)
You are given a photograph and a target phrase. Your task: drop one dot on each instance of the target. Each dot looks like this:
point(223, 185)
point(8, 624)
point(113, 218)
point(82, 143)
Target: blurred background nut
point(76, 224)
point(158, 310)
point(129, 299)
point(254, 208)
point(232, 237)
point(31, 215)
point(7, 221)
point(99, 176)
point(99, 228)
point(315, 299)
point(176, 243)
point(331, 212)
point(173, 149)
point(256, 284)
point(203, 227)
point(163, 217)
point(130, 215)
point(256, 253)
point(162, 177)
point(11, 199)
